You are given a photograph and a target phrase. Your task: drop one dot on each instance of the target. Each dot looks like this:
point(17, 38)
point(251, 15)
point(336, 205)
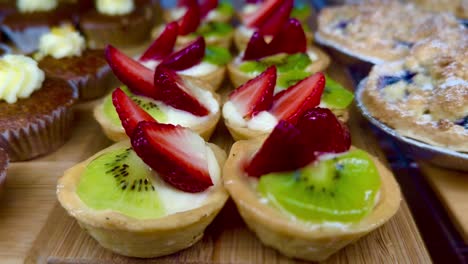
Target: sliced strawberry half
point(187, 57)
point(206, 6)
point(190, 21)
point(257, 18)
point(173, 91)
point(176, 153)
point(129, 112)
point(257, 48)
point(133, 74)
point(289, 104)
point(290, 39)
point(187, 3)
point(274, 23)
point(255, 95)
point(163, 45)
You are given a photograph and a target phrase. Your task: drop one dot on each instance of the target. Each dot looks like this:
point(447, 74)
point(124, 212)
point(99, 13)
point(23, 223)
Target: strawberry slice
point(258, 18)
point(274, 23)
point(257, 48)
point(163, 45)
point(187, 3)
point(172, 90)
point(289, 104)
point(206, 6)
point(255, 95)
point(176, 153)
point(190, 21)
point(137, 77)
point(129, 112)
point(187, 57)
point(290, 39)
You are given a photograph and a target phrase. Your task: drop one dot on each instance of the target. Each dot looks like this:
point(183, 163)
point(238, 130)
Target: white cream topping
point(19, 77)
point(249, 8)
point(177, 13)
point(263, 121)
point(115, 7)
point(61, 42)
point(26, 6)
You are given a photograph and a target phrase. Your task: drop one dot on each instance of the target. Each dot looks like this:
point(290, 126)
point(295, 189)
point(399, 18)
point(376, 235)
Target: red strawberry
point(257, 48)
point(173, 91)
point(186, 3)
point(185, 58)
point(253, 1)
point(290, 39)
point(206, 6)
point(190, 21)
point(176, 153)
point(258, 18)
point(274, 23)
point(289, 104)
point(129, 112)
point(137, 77)
point(256, 95)
point(163, 45)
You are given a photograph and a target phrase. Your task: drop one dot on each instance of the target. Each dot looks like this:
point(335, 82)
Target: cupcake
point(4, 161)
point(35, 111)
point(306, 185)
point(63, 54)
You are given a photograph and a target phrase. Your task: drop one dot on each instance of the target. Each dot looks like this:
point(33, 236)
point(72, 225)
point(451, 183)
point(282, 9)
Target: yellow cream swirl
point(61, 42)
point(19, 77)
point(115, 7)
point(25, 6)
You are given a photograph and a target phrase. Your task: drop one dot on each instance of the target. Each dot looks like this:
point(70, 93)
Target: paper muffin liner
point(93, 86)
point(40, 137)
point(3, 169)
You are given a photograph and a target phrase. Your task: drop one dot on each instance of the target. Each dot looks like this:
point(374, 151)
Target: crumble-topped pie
point(378, 32)
point(425, 96)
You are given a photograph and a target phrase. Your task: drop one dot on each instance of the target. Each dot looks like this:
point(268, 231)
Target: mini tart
point(39, 124)
point(239, 77)
point(134, 237)
point(380, 32)
point(273, 227)
point(89, 73)
point(117, 133)
point(425, 96)
point(122, 31)
point(4, 161)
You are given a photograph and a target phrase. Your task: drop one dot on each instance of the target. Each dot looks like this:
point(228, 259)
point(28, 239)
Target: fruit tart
point(267, 18)
point(35, 110)
point(124, 23)
point(379, 32)
point(192, 25)
point(149, 197)
point(196, 59)
point(210, 10)
point(4, 161)
point(425, 96)
point(63, 54)
point(163, 95)
point(287, 50)
point(254, 109)
point(305, 185)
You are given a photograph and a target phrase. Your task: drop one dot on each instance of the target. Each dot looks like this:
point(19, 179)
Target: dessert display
point(63, 55)
point(35, 111)
point(288, 50)
point(210, 10)
point(253, 109)
point(308, 186)
point(4, 161)
point(163, 94)
point(124, 24)
point(149, 197)
point(425, 95)
point(379, 32)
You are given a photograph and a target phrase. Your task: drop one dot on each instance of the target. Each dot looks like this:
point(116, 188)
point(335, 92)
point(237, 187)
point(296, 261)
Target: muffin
point(35, 111)
point(4, 161)
point(425, 96)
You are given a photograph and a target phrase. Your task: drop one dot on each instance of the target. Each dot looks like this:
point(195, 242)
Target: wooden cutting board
point(35, 229)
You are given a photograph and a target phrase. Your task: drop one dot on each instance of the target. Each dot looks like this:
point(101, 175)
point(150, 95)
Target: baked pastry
point(210, 10)
point(306, 186)
point(425, 96)
point(63, 54)
point(4, 161)
point(288, 50)
point(168, 98)
point(378, 32)
point(253, 109)
point(35, 112)
point(125, 24)
point(150, 198)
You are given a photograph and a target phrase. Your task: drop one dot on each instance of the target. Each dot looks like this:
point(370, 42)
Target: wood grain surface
point(35, 229)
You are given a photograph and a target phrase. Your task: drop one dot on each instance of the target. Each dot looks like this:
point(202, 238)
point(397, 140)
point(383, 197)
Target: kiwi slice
point(147, 104)
point(290, 78)
point(339, 189)
point(213, 28)
point(335, 95)
point(217, 55)
point(119, 180)
point(225, 8)
point(284, 63)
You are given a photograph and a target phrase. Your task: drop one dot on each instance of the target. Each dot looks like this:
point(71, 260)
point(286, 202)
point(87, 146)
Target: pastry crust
point(134, 237)
point(295, 238)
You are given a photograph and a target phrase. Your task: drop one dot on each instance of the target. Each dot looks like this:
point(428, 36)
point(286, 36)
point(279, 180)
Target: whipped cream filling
point(200, 69)
point(263, 121)
point(26, 6)
point(61, 42)
point(115, 7)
